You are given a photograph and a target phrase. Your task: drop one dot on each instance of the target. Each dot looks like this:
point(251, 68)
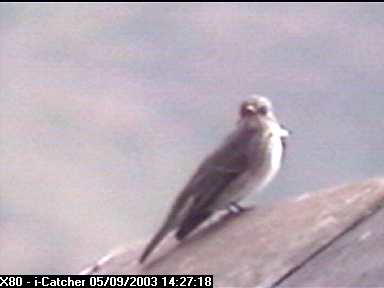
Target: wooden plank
point(355, 260)
point(260, 247)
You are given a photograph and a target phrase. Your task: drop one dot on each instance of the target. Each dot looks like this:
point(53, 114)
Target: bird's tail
point(190, 223)
point(167, 226)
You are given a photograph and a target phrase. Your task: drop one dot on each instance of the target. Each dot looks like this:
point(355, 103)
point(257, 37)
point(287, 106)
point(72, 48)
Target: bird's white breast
point(261, 175)
point(264, 172)
point(273, 161)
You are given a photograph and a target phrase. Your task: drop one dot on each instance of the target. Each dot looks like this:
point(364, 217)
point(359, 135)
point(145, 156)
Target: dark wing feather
point(220, 169)
point(190, 223)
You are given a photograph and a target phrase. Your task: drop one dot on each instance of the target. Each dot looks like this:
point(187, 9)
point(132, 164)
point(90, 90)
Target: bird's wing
point(220, 169)
point(193, 204)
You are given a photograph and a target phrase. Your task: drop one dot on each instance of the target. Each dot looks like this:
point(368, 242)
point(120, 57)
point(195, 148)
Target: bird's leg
point(232, 209)
point(240, 208)
point(236, 208)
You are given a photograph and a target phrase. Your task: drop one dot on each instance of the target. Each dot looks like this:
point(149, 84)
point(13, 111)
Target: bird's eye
point(263, 110)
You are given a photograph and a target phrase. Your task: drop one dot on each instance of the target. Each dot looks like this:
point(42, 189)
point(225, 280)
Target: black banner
point(106, 281)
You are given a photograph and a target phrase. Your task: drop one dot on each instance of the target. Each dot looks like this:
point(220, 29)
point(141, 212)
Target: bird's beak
point(250, 108)
point(285, 131)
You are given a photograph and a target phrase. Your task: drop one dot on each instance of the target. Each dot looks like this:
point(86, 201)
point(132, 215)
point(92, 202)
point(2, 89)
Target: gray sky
point(107, 109)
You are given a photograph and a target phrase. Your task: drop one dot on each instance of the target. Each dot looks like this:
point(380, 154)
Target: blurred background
point(107, 109)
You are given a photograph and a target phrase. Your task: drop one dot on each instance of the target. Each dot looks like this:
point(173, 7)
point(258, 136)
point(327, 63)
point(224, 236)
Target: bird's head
point(257, 111)
point(257, 107)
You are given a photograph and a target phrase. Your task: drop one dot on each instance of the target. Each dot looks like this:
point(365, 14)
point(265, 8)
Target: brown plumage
point(248, 158)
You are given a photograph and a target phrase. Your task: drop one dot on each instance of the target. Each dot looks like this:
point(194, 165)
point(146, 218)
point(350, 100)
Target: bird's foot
point(236, 208)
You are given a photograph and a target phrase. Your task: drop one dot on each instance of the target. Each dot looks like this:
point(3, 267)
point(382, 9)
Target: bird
point(247, 160)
